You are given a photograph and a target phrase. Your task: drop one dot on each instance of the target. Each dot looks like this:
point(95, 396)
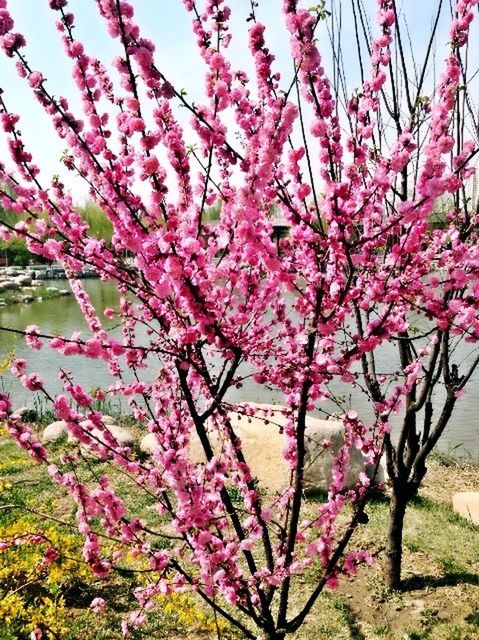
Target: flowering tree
point(213, 304)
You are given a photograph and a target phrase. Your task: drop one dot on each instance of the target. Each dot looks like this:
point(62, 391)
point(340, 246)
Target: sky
point(169, 25)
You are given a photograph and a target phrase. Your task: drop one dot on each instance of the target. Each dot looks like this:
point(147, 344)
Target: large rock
point(106, 419)
point(466, 504)
point(9, 285)
point(58, 429)
point(380, 475)
point(263, 444)
point(148, 444)
point(123, 436)
point(55, 431)
point(23, 281)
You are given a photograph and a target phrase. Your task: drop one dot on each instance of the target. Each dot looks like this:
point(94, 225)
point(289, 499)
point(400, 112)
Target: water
point(62, 316)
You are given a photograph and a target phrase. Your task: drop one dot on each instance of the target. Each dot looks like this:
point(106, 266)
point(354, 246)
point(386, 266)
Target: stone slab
point(466, 504)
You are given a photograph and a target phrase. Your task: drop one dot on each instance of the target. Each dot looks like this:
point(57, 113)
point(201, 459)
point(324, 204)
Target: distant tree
point(99, 225)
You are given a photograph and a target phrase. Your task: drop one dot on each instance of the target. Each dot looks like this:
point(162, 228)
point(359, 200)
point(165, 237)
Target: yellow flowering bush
point(189, 615)
point(21, 617)
point(54, 595)
point(31, 588)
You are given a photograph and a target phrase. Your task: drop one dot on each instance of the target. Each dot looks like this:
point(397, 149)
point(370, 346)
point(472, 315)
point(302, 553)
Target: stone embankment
point(25, 285)
point(46, 272)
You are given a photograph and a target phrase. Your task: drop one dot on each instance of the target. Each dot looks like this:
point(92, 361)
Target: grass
point(441, 567)
point(28, 487)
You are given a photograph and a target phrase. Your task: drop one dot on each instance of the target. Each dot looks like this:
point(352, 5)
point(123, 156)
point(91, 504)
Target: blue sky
point(168, 24)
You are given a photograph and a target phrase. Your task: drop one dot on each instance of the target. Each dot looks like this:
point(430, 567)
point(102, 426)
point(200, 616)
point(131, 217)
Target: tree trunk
point(397, 511)
point(273, 635)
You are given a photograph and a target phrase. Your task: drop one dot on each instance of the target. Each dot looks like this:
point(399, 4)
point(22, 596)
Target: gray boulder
point(263, 443)
point(23, 281)
point(9, 285)
point(148, 444)
point(123, 436)
point(55, 431)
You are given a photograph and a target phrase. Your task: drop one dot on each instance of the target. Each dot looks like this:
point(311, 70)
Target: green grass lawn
point(441, 568)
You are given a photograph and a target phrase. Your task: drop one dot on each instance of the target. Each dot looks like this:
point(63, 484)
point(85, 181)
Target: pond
point(62, 315)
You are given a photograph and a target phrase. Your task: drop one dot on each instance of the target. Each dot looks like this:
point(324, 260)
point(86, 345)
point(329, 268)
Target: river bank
point(29, 294)
point(24, 286)
point(43, 272)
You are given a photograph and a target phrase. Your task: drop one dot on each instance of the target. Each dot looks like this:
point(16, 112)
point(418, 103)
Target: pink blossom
point(6, 22)
point(35, 79)
point(98, 605)
point(5, 406)
point(18, 367)
point(50, 555)
point(31, 337)
point(32, 381)
point(206, 308)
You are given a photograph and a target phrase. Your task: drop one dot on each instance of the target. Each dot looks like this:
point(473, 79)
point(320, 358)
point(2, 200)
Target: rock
point(23, 281)
point(319, 459)
point(124, 437)
point(65, 292)
point(148, 443)
point(381, 474)
point(466, 504)
point(9, 285)
point(54, 431)
point(53, 290)
point(108, 420)
point(11, 271)
point(26, 414)
point(263, 444)
point(28, 299)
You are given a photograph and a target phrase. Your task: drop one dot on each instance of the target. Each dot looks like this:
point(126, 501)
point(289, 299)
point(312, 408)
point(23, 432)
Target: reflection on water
point(62, 315)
